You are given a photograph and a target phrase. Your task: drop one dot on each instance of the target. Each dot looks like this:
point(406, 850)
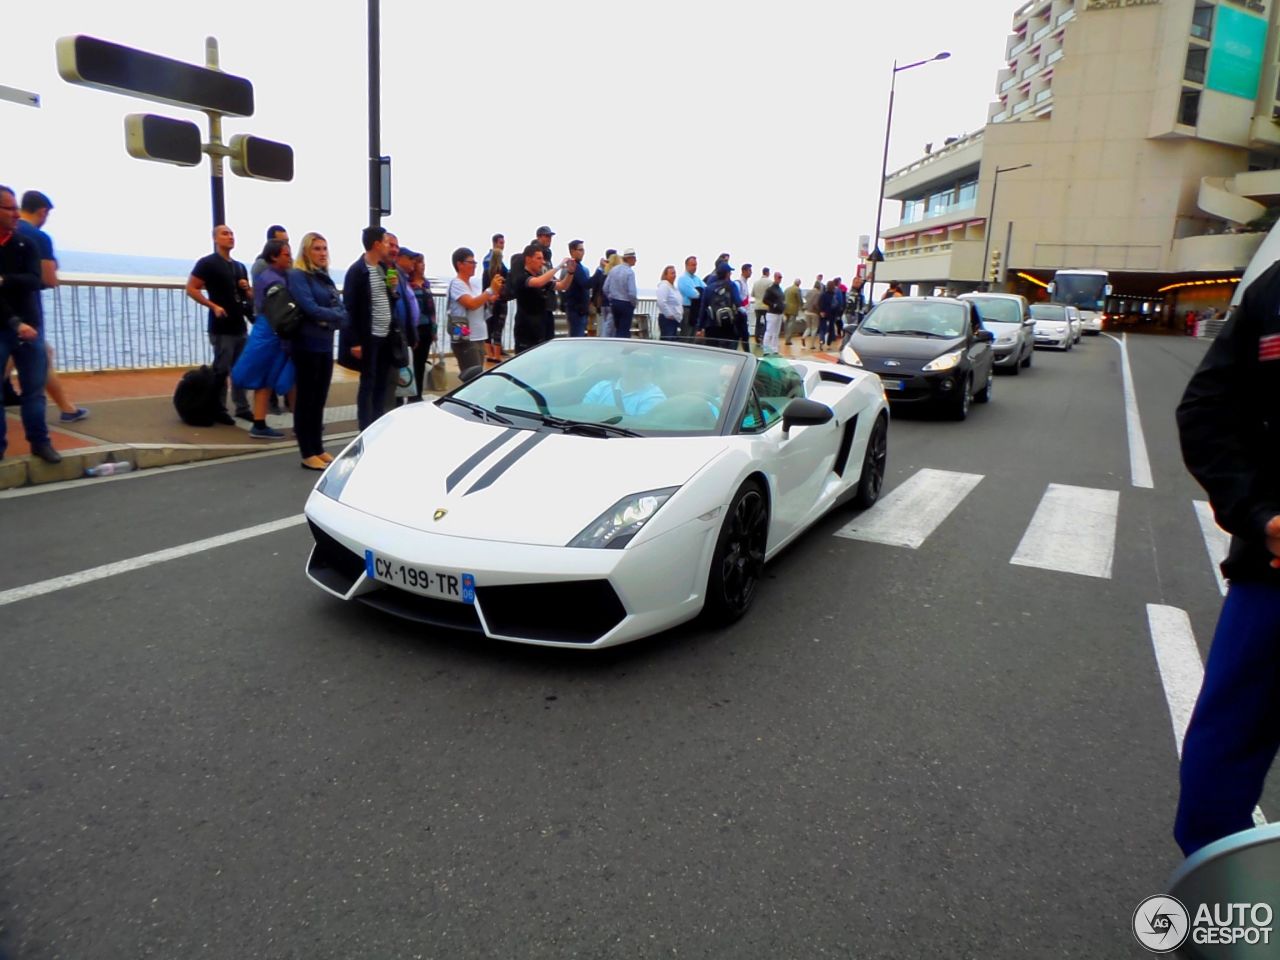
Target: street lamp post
point(986, 247)
point(876, 253)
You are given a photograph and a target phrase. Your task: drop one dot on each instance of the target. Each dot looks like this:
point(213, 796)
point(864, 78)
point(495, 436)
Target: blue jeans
point(623, 312)
point(668, 328)
point(577, 323)
point(1235, 728)
point(32, 364)
point(375, 378)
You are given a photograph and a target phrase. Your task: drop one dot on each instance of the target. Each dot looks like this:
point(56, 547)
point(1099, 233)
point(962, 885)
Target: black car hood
point(876, 346)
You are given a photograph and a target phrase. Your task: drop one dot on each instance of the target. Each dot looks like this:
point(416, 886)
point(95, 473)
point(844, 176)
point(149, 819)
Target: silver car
point(1006, 316)
point(1053, 326)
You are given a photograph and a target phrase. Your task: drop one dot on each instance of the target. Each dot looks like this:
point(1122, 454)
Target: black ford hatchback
point(926, 350)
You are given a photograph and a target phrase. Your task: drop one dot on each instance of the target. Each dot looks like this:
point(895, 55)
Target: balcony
point(1000, 117)
point(1013, 54)
point(1043, 95)
point(1063, 18)
point(1025, 104)
point(1042, 32)
point(1054, 57)
point(1009, 84)
point(1031, 71)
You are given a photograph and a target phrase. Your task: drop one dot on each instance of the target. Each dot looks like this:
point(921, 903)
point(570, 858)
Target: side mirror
point(803, 412)
point(469, 374)
point(1028, 322)
point(1106, 291)
point(985, 336)
point(1049, 290)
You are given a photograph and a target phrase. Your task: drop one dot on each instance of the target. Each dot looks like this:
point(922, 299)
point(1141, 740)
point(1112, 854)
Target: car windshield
point(997, 309)
point(1048, 311)
point(606, 388)
point(920, 317)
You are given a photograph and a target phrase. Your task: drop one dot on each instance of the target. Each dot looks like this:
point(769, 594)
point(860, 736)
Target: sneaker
point(245, 415)
point(265, 433)
point(80, 414)
point(224, 418)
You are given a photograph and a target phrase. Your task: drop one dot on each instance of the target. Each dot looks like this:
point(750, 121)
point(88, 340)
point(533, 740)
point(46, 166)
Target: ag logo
point(439, 514)
point(1161, 924)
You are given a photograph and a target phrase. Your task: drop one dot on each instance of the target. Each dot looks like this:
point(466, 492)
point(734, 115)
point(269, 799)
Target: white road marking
point(1073, 531)
point(1139, 463)
point(1181, 671)
point(909, 513)
point(146, 560)
point(1216, 540)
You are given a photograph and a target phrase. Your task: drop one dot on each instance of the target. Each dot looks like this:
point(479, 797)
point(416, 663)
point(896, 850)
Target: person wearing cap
point(543, 239)
point(32, 219)
point(720, 294)
point(620, 291)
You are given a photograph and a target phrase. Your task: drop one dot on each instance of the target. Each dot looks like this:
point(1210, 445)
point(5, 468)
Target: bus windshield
point(1084, 290)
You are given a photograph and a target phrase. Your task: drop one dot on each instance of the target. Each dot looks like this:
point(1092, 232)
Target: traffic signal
point(260, 159)
point(994, 272)
point(149, 137)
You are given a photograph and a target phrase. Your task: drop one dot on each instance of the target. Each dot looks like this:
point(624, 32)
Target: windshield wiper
point(583, 427)
point(918, 333)
point(538, 398)
point(865, 329)
point(488, 416)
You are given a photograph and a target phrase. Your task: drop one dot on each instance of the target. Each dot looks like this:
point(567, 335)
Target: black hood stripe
point(505, 464)
point(476, 458)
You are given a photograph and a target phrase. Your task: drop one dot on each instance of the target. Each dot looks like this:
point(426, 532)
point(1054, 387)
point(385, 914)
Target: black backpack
point(281, 311)
point(196, 398)
point(723, 305)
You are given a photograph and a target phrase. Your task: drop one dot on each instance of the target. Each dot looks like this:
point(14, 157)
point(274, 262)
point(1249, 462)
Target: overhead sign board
point(260, 159)
point(149, 137)
point(90, 62)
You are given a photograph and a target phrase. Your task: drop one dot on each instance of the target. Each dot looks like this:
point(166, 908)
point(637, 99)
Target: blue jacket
point(317, 297)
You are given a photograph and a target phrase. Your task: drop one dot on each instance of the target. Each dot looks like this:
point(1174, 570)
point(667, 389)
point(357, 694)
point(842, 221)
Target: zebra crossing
point(1073, 529)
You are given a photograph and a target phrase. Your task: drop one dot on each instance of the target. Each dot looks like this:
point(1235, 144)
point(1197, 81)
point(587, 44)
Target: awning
point(975, 223)
point(905, 236)
point(933, 232)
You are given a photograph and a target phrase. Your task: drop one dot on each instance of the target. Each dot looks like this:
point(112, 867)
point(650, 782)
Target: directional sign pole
point(24, 97)
point(217, 187)
point(375, 117)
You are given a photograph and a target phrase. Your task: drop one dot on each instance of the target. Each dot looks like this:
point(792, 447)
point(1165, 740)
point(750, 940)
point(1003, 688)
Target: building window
point(1202, 20)
point(1189, 108)
point(1196, 58)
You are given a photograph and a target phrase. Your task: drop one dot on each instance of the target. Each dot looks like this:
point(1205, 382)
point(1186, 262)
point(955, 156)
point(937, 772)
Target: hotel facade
point(1147, 137)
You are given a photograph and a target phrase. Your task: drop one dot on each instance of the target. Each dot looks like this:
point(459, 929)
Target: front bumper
point(907, 386)
point(549, 596)
point(1008, 356)
point(1059, 340)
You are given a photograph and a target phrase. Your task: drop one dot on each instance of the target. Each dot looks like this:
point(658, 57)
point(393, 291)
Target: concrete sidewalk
point(131, 418)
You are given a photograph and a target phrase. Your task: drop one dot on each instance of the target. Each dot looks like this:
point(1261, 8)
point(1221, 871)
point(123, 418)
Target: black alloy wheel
point(1031, 352)
point(984, 395)
point(738, 561)
point(873, 465)
point(960, 405)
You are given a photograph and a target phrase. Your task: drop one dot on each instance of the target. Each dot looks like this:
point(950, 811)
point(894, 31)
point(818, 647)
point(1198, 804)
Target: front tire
point(738, 561)
point(871, 482)
point(984, 395)
point(960, 405)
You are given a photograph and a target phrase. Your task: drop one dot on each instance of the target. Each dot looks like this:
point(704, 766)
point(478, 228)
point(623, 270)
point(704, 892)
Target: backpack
point(281, 311)
point(196, 397)
point(723, 305)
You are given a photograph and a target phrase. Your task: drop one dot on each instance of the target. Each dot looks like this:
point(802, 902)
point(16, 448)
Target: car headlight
point(618, 525)
point(850, 356)
point(945, 362)
point(335, 478)
point(1061, 328)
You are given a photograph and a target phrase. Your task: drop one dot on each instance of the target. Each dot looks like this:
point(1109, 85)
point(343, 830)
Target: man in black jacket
point(21, 334)
point(1229, 422)
point(367, 295)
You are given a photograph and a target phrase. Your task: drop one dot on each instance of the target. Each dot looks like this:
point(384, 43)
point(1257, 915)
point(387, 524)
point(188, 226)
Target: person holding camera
point(222, 284)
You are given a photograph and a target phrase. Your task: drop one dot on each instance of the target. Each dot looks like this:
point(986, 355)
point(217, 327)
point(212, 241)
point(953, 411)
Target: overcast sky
point(674, 127)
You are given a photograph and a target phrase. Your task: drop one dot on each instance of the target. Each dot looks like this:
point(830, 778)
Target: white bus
point(1086, 290)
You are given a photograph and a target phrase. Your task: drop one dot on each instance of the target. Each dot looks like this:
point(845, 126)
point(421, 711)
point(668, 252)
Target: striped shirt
point(379, 303)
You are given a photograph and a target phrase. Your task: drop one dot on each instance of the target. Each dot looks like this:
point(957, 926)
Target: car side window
point(775, 383)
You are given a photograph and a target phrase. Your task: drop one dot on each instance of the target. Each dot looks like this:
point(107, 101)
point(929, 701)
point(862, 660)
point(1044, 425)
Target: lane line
point(1181, 671)
point(44, 587)
point(1216, 540)
point(1139, 462)
point(908, 514)
point(1073, 531)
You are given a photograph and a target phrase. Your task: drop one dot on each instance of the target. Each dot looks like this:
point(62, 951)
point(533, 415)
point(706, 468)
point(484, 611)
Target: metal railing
point(136, 325)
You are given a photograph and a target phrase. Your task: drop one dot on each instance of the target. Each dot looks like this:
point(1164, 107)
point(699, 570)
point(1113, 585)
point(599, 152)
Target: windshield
point(1048, 311)
point(936, 318)
point(997, 309)
point(638, 386)
point(1084, 290)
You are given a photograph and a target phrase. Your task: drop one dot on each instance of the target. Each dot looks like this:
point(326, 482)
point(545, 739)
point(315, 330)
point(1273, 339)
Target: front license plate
point(892, 384)
point(458, 587)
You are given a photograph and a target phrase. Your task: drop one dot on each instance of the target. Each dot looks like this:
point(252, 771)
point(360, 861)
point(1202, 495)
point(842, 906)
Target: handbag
point(397, 346)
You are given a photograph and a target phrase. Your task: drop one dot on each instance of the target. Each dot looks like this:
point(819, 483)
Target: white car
point(592, 491)
point(1076, 319)
point(1053, 326)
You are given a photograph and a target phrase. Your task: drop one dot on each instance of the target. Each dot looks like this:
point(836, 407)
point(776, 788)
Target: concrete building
point(1152, 133)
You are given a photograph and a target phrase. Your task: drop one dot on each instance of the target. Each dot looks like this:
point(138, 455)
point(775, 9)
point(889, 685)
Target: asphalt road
point(900, 753)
